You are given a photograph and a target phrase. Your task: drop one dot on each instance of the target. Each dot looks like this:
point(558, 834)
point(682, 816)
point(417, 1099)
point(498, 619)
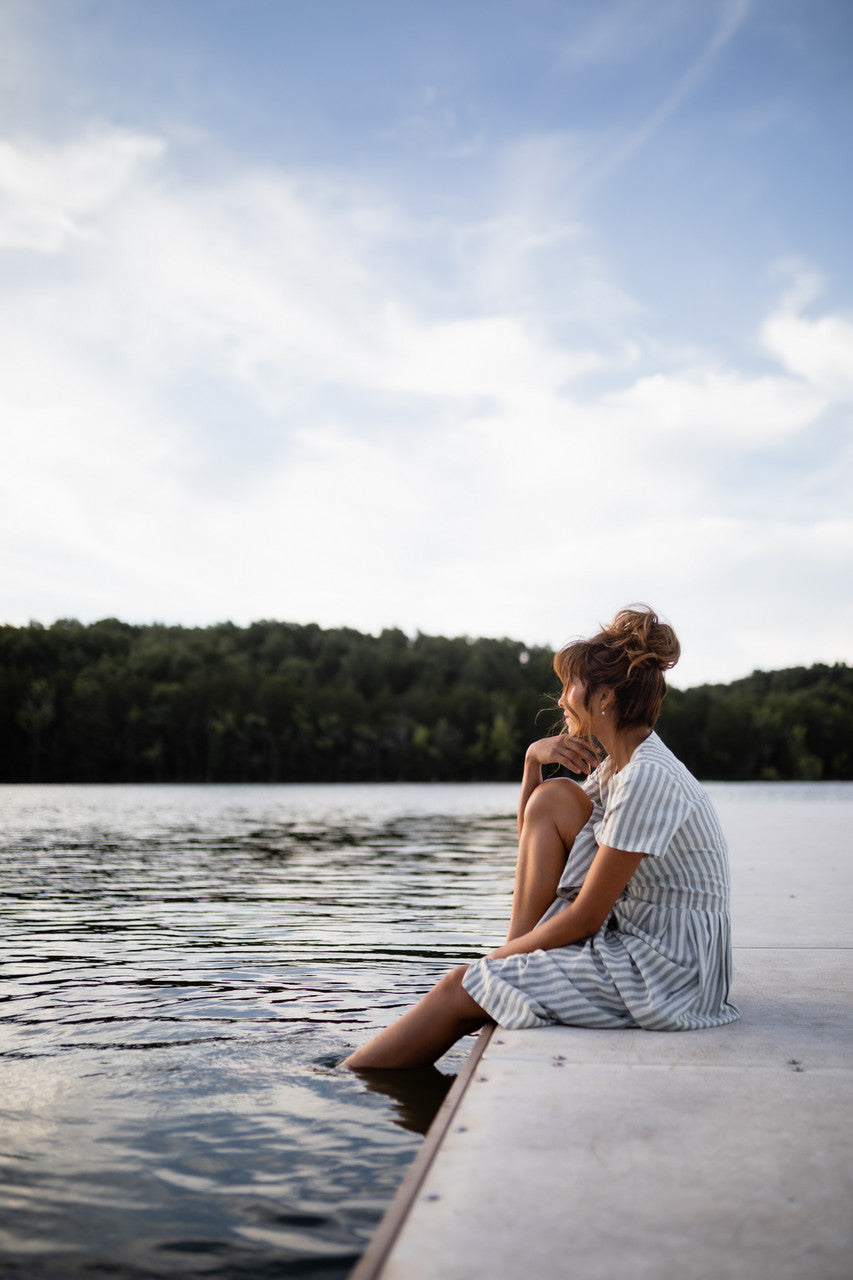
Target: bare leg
point(554, 815)
point(427, 1031)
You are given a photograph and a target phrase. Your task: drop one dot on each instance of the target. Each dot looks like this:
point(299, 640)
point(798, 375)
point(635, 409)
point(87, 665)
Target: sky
point(467, 317)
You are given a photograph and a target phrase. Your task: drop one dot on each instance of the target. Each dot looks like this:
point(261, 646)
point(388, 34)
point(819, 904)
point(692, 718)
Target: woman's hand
point(578, 755)
point(606, 879)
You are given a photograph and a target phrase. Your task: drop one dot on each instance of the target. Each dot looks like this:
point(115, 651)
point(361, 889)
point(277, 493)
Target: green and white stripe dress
point(662, 960)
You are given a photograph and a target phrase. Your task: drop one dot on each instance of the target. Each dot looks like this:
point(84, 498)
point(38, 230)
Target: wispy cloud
point(819, 349)
point(268, 290)
point(614, 154)
point(52, 193)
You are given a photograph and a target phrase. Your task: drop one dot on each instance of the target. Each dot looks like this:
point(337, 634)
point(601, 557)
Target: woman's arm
point(607, 877)
point(575, 754)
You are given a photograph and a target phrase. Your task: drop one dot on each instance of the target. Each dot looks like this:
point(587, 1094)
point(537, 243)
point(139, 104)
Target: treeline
point(280, 702)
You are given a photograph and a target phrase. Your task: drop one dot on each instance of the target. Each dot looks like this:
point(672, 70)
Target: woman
point(620, 915)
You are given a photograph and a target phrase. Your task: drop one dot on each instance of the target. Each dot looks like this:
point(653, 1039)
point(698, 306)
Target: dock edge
point(373, 1259)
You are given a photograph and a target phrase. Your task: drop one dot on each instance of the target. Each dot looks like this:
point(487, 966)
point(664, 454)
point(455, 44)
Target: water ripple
point(183, 969)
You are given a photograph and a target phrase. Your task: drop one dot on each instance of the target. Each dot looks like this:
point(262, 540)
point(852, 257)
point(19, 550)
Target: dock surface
point(725, 1153)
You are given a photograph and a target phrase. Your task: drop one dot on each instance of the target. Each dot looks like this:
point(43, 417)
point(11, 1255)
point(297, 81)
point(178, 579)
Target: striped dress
point(662, 960)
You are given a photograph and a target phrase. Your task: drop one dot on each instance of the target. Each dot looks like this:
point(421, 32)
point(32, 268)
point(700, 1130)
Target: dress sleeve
point(645, 807)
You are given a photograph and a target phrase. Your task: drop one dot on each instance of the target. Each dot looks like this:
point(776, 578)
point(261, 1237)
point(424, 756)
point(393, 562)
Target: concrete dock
point(605, 1155)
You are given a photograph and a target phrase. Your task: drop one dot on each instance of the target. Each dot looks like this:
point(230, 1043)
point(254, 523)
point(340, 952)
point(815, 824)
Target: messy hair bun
point(643, 638)
point(629, 656)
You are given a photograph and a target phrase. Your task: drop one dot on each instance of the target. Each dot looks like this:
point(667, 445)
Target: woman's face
point(573, 702)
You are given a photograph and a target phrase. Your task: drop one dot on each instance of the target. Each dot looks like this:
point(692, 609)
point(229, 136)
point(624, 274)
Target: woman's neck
point(621, 744)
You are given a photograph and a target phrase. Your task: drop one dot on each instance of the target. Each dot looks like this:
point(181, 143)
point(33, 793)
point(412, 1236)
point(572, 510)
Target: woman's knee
point(561, 802)
point(451, 983)
point(455, 995)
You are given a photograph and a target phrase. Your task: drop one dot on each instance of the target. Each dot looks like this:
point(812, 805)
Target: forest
point(281, 702)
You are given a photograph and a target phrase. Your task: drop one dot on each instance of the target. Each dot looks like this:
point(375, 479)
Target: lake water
point(183, 969)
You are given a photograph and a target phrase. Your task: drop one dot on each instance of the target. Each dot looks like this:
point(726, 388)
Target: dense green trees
point(771, 725)
point(275, 701)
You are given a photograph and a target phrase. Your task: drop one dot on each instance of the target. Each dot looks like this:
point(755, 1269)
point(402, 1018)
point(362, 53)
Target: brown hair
point(628, 656)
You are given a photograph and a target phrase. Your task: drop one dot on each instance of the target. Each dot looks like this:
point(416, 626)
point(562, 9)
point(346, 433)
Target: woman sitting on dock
point(620, 914)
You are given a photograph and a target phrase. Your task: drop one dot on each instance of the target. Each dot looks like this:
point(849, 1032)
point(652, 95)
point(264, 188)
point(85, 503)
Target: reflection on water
point(417, 1093)
point(184, 967)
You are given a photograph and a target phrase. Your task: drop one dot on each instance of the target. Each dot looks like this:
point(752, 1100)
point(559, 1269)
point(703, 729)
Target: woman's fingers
point(575, 754)
point(580, 756)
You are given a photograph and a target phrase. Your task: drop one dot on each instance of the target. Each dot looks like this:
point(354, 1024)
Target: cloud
point(818, 350)
point(246, 393)
point(617, 33)
point(637, 24)
point(53, 193)
point(723, 406)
